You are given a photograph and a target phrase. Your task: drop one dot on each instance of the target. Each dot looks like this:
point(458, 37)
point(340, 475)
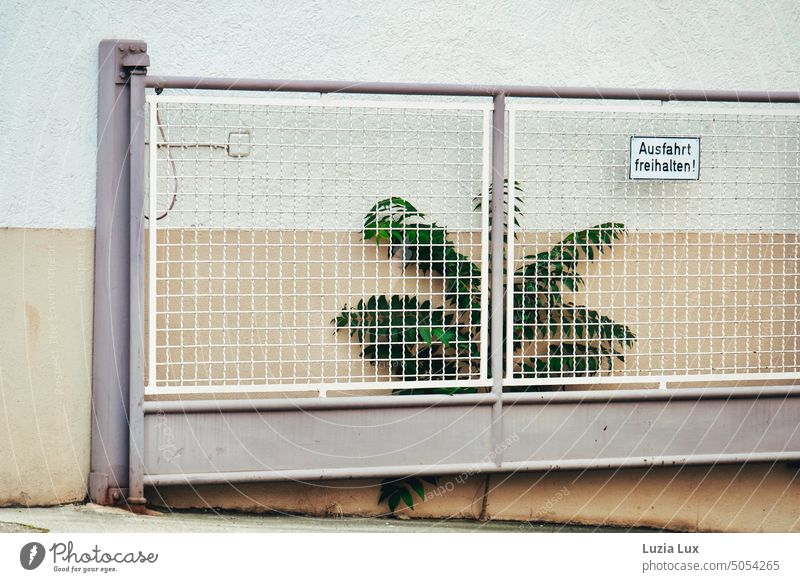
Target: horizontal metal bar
point(354, 402)
point(321, 102)
point(382, 88)
point(668, 379)
point(344, 403)
point(671, 107)
point(722, 393)
point(184, 390)
point(469, 468)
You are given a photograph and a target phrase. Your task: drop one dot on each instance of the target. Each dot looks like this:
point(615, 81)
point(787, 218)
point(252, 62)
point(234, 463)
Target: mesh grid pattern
point(704, 274)
point(264, 245)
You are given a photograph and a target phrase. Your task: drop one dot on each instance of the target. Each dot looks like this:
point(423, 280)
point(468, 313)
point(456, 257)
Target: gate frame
point(483, 381)
point(120, 452)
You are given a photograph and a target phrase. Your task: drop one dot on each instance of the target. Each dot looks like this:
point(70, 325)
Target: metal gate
point(263, 240)
point(315, 287)
point(704, 273)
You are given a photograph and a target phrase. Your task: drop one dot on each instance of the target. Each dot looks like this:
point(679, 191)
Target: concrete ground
point(94, 518)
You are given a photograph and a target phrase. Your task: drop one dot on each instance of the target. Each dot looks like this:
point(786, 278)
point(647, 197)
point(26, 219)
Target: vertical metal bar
point(136, 418)
point(152, 224)
point(486, 176)
point(498, 276)
point(511, 233)
point(111, 334)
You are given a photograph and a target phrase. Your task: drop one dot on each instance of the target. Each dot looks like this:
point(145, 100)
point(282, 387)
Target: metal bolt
point(122, 48)
point(122, 74)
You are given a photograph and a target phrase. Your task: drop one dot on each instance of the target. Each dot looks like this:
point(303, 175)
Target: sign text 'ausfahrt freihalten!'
point(664, 158)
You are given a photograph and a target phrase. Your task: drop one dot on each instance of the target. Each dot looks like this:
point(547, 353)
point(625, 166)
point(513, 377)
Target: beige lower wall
point(45, 395)
point(731, 498)
point(45, 365)
point(251, 307)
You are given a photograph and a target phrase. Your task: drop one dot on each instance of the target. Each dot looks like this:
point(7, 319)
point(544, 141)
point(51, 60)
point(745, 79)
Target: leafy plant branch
point(416, 340)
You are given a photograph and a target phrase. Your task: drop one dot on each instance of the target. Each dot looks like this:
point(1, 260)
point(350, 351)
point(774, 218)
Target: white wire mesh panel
point(619, 280)
point(271, 211)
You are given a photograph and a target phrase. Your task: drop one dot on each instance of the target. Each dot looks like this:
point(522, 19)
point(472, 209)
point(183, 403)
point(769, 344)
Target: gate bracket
point(131, 56)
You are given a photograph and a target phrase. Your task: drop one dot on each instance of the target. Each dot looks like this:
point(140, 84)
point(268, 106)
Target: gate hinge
point(131, 58)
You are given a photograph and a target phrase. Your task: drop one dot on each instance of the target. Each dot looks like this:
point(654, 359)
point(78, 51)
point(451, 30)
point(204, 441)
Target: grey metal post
point(498, 274)
point(135, 496)
point(109, 457)
point(108, 479)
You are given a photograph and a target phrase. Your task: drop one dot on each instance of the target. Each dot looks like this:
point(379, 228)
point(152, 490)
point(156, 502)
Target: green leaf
point(387, 488)
point(405, 495)
point(426, 335)
point(417, 486)
point(444, 335)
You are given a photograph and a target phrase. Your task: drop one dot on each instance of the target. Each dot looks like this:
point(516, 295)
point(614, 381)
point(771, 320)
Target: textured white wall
point(48, 60)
